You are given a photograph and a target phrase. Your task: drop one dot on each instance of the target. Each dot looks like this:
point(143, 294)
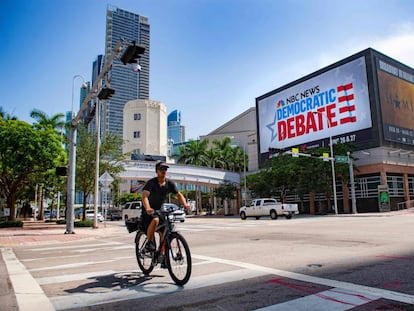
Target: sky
point(209, 59)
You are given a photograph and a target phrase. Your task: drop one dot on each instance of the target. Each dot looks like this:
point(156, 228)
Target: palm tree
point(230, 157)
point(194, 153)
point(6, 116)
point(213, 156)
point(44, 121)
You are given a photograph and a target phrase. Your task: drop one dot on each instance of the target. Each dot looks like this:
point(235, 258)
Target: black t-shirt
point(159, 193)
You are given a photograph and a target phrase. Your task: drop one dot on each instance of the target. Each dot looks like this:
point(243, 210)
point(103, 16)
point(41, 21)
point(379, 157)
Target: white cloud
point(398, 44)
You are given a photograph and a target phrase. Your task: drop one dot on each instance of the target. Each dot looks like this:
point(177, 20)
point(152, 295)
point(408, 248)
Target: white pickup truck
point(268, 207)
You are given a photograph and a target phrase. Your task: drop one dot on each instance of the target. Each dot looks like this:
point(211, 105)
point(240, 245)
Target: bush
point(84, 223)
point(11, 223)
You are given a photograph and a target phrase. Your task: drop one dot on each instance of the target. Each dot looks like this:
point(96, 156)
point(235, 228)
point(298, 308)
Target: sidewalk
point(19, 236)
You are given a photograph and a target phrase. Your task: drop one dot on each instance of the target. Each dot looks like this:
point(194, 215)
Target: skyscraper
point(175, 130)
point(128, 84)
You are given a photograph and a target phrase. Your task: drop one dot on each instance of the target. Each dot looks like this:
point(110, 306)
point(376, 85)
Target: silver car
point(179, 213)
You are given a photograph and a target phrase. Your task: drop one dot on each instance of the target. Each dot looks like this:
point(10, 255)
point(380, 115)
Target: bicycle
point(172, 250)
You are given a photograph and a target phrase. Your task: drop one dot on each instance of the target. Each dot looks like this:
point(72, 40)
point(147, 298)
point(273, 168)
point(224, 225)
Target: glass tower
point(129, 84)
point(176, 131)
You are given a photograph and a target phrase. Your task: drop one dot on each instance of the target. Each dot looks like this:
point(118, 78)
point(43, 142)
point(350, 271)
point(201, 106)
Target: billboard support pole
point(333, 172)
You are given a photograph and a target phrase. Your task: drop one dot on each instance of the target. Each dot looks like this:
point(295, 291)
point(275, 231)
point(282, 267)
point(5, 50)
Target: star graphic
point(272, 128)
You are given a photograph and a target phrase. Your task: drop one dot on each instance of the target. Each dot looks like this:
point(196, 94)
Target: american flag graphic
point(346, 103)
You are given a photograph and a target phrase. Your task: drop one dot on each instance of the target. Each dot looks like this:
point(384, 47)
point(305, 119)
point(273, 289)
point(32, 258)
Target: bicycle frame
point(168, 227)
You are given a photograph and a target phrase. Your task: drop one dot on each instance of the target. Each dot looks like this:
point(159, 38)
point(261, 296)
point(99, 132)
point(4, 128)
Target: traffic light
point(62, 171)
point(106, 93)
point(132, 53)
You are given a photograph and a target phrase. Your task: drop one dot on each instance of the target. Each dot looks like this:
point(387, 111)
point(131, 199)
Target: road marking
point(72, 277)
point(79, 264)
point(351, 287)
point(48, 258)
point(28, 292)
point(334, 299)
point(150, 289)
point(77, 246)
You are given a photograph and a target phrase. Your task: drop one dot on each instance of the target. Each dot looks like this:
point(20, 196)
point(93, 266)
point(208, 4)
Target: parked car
point(131, 209)
point(114, 214)
point(90, 215)
point(179, 212)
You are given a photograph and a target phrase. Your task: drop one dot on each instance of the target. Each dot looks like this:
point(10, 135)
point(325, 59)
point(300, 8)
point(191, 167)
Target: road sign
point(295, 152)
point(106, 179)
point(341, 159)
point(325, 156)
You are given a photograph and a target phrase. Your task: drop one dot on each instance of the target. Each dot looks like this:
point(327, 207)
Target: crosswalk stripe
point(334, 299)
point(71, 277)
point(79, 264)
point(27, 291)
point(77, 246)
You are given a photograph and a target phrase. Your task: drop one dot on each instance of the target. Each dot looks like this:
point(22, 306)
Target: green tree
point(194, 153)
point(25, 155)
point(286, 174)
point(226, 191)
point(110, 160)
point(55, 122)
point(6, 116)
point(51, 184)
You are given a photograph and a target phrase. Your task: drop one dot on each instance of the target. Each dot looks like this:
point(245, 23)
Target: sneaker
point(150, 247)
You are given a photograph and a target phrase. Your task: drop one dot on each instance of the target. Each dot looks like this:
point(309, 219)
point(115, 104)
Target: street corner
point(10, 238)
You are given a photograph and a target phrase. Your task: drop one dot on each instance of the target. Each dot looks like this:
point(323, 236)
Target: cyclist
point(154, 194)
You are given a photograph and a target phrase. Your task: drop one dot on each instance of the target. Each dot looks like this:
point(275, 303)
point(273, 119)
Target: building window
point(137, 116)
point(137, 134)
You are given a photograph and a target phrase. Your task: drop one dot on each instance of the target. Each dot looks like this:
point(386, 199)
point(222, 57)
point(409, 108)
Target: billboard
point(396, 93)
point(332, 103)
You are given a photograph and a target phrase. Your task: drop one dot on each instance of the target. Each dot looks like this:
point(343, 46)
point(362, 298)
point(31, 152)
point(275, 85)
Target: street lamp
point(84, 86)
point(332, 159)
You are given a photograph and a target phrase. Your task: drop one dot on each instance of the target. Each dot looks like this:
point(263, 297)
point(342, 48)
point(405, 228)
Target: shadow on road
point(113, 281)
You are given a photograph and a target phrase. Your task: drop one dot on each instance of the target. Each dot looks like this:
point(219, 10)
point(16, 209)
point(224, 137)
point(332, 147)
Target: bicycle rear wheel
point(145, 259)
point(178, 259)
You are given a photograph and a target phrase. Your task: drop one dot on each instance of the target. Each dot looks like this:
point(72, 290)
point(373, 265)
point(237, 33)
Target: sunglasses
point(163, 169)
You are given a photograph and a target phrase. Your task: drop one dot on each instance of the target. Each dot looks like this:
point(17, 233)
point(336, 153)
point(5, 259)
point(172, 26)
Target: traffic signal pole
point(131, 52)
point(73, 135)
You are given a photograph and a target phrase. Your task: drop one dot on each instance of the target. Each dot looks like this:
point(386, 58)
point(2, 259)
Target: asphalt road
point(346, 262)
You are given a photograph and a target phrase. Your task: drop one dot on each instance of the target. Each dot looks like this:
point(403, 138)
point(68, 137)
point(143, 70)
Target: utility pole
point(352, 182)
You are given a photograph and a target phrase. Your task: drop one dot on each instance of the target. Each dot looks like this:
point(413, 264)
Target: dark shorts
point(146, 219)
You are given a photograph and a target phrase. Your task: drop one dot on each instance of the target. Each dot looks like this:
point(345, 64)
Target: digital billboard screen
point(396, 92)
point(332, 103)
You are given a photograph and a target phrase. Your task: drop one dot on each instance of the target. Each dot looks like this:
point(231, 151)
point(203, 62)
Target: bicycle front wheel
point(178, 259)
point(144, 258)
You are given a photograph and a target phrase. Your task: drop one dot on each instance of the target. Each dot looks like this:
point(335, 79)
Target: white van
point(131, 209)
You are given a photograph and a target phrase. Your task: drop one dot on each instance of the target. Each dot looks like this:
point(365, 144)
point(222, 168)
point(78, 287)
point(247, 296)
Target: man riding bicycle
point(154, 194)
